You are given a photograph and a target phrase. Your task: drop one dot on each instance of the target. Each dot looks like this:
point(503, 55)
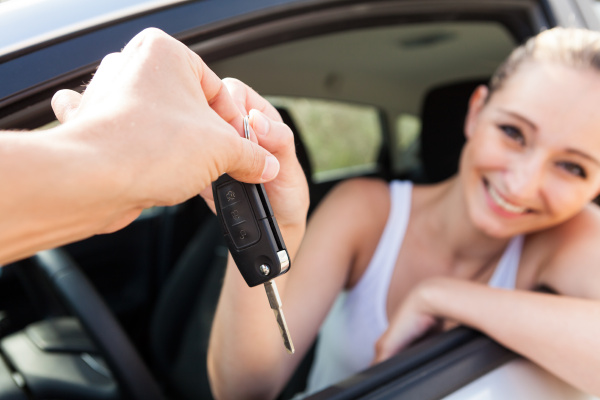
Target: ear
point(476, 103)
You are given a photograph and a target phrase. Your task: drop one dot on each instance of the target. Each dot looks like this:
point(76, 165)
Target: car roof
point(26, 22)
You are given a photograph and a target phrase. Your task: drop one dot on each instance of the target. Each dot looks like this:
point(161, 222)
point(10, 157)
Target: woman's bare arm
point(558, 332)
point(246, 356)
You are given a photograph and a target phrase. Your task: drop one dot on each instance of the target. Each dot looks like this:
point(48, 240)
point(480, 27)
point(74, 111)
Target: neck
point(447, 221)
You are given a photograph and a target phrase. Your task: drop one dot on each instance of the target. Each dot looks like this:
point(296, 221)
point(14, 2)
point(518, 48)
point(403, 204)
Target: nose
point(524, 177)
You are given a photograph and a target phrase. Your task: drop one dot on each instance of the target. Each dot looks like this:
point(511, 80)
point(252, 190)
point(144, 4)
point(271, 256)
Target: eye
point(513, 133)
point(573, 169)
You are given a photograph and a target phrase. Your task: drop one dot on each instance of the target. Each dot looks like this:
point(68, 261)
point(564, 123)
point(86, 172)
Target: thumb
point(65, 104)
point(252, 163)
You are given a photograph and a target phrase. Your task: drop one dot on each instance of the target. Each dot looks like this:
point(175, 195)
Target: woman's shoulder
point(362, 189)
point(569, 254)
point(366, 203)
point(357, 203)
point(359, 194)
point(581, 229)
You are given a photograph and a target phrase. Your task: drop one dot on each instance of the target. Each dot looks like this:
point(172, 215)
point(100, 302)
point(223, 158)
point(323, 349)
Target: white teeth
point(503, 203)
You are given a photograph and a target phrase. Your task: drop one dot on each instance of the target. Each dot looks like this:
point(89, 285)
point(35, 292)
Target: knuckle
point(151, 34)
point(233, 85)
point(151, 39)
point(109, 58)
point(255, 160)
point(257, 157)
point(232, 81)
point(285, 134)
point(239, 153)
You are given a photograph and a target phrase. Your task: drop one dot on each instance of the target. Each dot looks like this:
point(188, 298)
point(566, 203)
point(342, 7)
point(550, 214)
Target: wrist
point(432, 294)
point(92, 174)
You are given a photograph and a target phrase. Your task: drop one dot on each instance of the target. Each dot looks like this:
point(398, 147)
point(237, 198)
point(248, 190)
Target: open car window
point(354, 77)
point(342, 139)
point(380, 75)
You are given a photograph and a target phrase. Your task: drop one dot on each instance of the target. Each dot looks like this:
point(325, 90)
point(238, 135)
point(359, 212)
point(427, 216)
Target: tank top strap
point(376, 278)
point(505, 274)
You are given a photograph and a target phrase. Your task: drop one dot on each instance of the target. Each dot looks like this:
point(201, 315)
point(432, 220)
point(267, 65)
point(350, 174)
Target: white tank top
point(358, 317)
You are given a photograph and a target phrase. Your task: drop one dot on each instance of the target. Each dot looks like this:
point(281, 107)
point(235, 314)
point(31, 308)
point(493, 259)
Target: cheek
point(483, 152)
point(566, 199)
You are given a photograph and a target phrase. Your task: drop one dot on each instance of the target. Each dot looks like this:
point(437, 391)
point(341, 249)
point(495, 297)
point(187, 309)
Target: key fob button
point(237, 213)
point(251, 231)
point(231, 193)
point(235, 206)
point(244, 234)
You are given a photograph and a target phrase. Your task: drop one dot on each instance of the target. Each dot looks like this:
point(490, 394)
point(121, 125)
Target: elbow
point(236, 381)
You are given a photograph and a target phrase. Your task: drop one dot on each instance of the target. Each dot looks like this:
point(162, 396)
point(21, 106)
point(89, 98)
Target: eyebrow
point(584, 155)
point(519, 117)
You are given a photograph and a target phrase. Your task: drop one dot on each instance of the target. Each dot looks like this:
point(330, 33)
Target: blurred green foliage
point(337, 135)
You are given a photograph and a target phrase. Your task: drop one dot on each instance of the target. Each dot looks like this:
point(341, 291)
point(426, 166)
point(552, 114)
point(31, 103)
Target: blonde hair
point(572, 47)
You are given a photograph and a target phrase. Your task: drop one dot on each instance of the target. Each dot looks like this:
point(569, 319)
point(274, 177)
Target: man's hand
point(165, 119)
point(154, 127)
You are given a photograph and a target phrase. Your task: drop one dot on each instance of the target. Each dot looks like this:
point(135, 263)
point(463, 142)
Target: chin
point(492, 227)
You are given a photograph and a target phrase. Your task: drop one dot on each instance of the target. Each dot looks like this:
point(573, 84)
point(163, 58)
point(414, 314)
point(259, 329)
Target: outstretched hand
point(288, 193)
point(166, 122)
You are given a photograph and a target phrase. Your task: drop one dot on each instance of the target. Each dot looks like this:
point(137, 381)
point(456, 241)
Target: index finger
point(247, 99)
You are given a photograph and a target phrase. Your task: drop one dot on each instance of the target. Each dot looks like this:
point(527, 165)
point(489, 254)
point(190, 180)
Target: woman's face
point(532, 158)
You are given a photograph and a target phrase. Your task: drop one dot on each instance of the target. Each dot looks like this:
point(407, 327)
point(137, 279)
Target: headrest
point(301, 153)
point(442, 134)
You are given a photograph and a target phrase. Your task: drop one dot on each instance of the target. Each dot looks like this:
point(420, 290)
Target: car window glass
point(342, 139)
point(406, 143)
point(48, 125)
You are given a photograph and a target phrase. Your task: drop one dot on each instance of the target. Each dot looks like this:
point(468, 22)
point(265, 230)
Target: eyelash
point(517, 136)
point(573, 169)
point(513, 133)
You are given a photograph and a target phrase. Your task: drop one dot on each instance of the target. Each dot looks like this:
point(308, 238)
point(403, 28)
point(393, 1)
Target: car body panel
point(67, 17)
point(519, 379)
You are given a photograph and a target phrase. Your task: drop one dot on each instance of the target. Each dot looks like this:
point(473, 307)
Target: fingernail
point(260, 123)
point(271, 168)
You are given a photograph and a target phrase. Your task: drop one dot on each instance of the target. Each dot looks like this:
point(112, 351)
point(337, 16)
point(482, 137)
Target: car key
point(253, 238)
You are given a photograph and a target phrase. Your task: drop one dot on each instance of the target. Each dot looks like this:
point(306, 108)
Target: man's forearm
point(54, 191)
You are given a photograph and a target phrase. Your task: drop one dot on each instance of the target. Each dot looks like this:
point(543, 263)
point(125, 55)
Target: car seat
point(183, 315)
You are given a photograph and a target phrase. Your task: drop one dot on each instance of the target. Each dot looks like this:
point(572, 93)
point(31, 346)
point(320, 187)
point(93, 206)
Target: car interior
point(379, 97)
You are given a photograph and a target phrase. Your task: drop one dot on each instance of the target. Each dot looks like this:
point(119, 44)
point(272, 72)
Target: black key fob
point(250, 229)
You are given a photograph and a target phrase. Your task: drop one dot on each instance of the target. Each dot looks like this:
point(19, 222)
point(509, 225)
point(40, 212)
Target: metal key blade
point(275, 303)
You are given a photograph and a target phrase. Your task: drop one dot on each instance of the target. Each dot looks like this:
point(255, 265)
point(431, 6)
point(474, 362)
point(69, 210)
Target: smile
point(503, 204)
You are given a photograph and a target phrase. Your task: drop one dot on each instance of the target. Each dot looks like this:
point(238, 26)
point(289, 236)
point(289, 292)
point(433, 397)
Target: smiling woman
point(537, 167)
point(515, 218)
point(410, 65)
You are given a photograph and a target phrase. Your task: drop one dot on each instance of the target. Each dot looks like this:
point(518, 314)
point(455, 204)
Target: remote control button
point(244, 234)
point(230, 193)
